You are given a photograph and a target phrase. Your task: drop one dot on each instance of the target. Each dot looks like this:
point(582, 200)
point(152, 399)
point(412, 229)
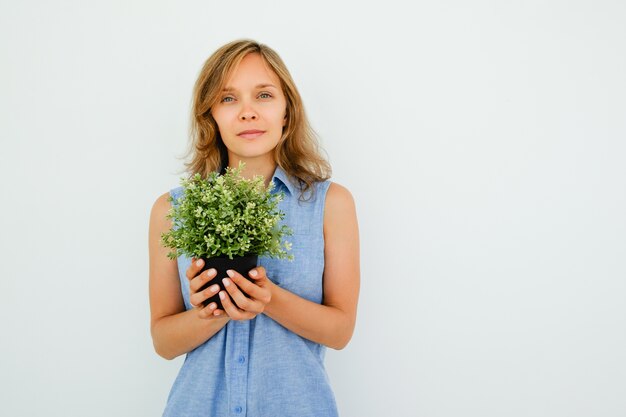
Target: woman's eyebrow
point(258, 86)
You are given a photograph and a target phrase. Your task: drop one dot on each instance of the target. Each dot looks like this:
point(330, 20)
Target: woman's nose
point(247, 112)
point(247, 115)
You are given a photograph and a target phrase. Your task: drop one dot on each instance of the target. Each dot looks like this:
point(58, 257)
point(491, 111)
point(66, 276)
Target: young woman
point(262, 355)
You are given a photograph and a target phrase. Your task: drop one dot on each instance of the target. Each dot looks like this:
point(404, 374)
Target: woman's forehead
point(252, 72)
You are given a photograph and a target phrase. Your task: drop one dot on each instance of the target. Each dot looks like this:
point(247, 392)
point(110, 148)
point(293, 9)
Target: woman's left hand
point(259, 292)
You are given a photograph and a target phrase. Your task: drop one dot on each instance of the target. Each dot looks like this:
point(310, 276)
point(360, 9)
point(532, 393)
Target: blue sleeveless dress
point(258, 368)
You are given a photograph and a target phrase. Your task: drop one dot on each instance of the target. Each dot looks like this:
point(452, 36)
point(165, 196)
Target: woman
point(262, 355)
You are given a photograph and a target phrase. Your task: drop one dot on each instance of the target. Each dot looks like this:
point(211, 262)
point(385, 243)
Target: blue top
point(258, 367)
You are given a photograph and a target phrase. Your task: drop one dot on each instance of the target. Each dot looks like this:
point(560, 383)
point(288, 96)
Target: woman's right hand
point(196, 281)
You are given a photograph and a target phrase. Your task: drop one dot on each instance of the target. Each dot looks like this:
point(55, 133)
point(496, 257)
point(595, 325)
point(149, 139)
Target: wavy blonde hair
point(298, 151)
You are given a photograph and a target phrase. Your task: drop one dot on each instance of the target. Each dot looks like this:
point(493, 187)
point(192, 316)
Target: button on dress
point(258, 368)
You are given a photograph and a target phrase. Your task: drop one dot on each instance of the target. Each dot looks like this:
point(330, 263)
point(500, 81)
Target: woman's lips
point(251, 135)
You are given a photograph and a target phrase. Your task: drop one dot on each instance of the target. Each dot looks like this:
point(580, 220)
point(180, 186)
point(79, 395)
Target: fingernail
point(211, 271)
point(222, 295)
point(230, 273)
point(253, 272)
point(199, 262)
point(226, 282)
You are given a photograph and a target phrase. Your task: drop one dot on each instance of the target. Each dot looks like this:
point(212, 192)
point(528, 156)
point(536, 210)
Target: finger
point(252, 290)
point(200, 280)
point(243, 302)
point(204, 312)
point(209, 311)
point(257, 273)
point(194, 268)
point(236, 296)
point(197, 298)
point(231, 309)
point(243, 283)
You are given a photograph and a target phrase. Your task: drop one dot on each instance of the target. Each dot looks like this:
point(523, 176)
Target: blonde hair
point(297, 151)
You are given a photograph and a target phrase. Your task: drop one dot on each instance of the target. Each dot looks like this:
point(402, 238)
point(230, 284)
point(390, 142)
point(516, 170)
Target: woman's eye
point(262, 94)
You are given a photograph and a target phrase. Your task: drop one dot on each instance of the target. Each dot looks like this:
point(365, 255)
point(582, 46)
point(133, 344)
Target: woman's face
point(253, 100)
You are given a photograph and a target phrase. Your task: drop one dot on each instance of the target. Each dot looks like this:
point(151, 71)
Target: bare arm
point(319, 323)
point(332, 322)
point(174, 330)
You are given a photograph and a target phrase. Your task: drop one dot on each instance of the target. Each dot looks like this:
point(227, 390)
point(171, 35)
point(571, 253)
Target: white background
point(483, 143)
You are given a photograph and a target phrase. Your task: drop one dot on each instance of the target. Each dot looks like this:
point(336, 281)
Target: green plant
point(226, 215)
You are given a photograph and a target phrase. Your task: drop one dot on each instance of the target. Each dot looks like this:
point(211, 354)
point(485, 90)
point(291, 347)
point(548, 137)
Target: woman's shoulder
point(158, 214)
point(340, 218)
point(338, 198)
point(168, 198)
point(176, 191)
point(164, 202)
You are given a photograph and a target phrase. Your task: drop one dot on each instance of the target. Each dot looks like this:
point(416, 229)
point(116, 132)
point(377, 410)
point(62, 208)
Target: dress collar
point(283, 177)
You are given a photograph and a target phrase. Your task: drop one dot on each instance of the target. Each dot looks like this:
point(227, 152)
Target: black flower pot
point(241, 264)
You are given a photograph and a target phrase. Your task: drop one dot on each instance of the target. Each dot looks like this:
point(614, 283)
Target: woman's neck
point(255, 167)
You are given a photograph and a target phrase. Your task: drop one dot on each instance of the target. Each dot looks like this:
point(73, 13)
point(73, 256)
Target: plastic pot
point(241, 264)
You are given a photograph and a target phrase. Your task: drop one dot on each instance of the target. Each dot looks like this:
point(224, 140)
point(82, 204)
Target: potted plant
point(228, 222)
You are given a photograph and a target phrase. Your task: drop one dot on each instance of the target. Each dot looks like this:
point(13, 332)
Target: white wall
point(483, 143)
